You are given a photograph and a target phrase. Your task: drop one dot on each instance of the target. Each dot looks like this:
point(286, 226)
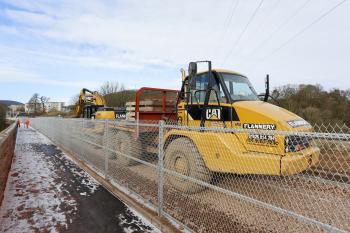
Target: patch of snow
point(36, 198)
point(145, 203)
point(132, 221)
point(88, 181)
point(32, 136)
point(143, 220)
point(33, 198)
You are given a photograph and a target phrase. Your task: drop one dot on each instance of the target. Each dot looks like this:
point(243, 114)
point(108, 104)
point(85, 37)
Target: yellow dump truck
point(224, 99)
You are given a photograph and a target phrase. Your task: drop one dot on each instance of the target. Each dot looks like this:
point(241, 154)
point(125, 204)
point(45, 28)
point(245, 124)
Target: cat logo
point(213, 114)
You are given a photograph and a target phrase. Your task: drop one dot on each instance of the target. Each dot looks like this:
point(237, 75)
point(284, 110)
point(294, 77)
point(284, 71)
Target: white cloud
point(29, 18)
point(132, 35)
point(171, 35)
point(15, 75)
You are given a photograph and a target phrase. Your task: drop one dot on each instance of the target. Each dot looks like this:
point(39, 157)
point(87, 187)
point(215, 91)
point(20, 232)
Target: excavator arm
point(88, 97)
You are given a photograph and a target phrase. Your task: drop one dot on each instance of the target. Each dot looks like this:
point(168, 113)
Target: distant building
point(31, 107)
point(15, 109)
point(68, 108)
point(54, 106)
point(49, 106)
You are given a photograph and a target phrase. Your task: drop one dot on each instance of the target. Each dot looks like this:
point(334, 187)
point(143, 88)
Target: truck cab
point(232, 103)
point(227, 87)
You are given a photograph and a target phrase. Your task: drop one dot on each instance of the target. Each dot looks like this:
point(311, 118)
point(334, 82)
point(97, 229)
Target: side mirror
point(192, 69)
point(267, 88)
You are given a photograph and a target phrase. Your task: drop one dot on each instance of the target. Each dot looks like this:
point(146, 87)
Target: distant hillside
point(315, 104)
point(9, 102)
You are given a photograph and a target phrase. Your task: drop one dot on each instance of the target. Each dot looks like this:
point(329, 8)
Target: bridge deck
point(47, 192)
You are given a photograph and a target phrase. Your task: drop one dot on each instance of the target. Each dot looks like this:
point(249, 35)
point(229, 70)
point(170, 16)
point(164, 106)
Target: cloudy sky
point(56, 48)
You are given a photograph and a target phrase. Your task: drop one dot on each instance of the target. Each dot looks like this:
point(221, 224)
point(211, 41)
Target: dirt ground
point(335, 158)
point(47, 192)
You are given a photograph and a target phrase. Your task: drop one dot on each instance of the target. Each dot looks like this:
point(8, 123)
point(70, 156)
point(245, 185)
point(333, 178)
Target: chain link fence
point(219, 179)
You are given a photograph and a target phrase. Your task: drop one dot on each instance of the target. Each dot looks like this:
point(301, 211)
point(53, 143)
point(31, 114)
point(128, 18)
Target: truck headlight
point(298, 123)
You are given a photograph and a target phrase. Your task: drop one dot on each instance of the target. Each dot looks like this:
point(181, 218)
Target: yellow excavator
point(92, 105)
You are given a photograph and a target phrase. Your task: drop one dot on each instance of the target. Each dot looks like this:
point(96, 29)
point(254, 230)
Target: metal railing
point(219, 179)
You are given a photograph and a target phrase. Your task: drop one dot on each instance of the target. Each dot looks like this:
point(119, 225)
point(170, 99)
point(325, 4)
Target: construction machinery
point(220, 99)
point(92, 105)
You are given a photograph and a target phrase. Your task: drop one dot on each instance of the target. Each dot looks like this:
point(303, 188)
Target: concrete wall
point(7, 147)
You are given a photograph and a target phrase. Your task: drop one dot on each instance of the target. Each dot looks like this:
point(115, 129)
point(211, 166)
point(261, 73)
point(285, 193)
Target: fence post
point(81, 134)
point(137, 124)
point(160, 167)
point(105, 147)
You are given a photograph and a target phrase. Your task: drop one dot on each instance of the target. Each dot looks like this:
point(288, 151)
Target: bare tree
point(74, 99)
point(43, 101)
point(111, 87)
point(73, 103)
point(21, 109)
point(33, 102)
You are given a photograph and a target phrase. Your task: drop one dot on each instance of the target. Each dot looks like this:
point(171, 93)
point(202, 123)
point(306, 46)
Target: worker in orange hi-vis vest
point(27, 123)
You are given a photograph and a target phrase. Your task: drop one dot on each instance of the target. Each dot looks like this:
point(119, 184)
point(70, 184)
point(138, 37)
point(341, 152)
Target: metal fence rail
point(219, 179)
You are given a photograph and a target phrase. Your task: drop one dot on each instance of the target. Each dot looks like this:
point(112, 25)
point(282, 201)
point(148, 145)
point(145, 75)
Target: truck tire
point(125, 144)
point(183, 157)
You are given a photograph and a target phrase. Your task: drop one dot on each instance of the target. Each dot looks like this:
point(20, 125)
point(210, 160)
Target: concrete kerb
point(5, 133)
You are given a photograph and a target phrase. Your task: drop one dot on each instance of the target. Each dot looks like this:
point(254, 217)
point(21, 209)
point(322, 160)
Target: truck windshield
point(239, 87)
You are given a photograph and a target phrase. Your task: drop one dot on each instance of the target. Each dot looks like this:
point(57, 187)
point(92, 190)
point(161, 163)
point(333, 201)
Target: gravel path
point(47, 192)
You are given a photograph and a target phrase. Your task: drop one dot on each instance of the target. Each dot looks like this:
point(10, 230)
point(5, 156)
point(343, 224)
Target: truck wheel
point(125, 144)
point(183, 157)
